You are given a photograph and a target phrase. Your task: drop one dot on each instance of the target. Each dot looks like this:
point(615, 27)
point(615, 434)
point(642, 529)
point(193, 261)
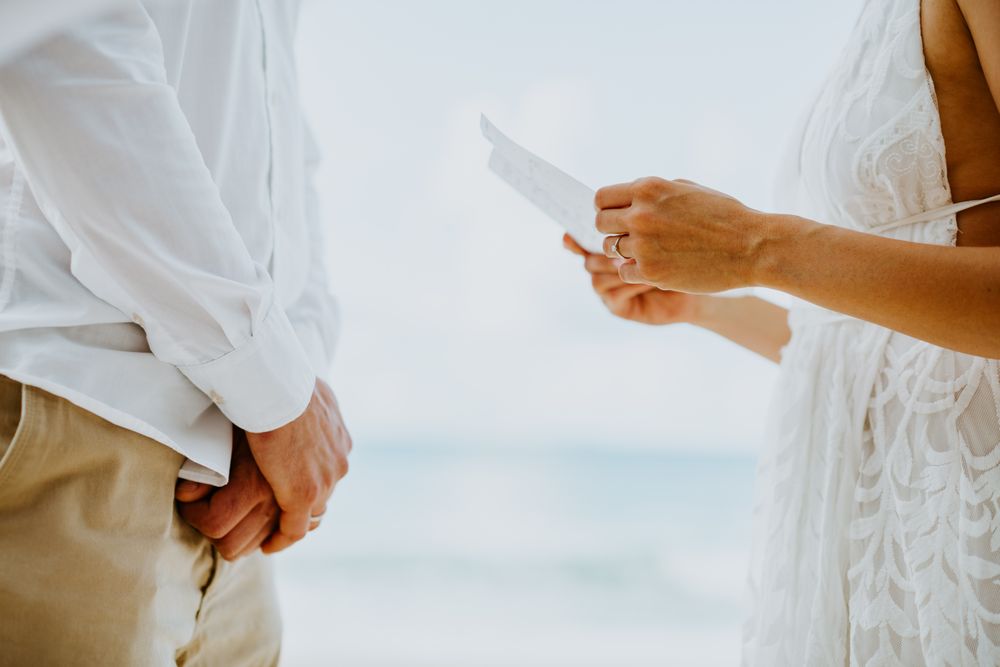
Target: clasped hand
point(278, 480)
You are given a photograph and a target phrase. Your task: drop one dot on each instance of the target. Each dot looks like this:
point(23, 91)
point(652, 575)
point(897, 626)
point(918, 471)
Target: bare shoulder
point(982, 17)
point(949, 47)
point(982, 22)
point(961, 40)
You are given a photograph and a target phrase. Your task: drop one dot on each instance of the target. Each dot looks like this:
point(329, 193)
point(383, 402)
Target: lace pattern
point(877, 516)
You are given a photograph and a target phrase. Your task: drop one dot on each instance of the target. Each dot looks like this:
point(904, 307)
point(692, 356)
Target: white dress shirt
point(24, 22)
point(161, 254)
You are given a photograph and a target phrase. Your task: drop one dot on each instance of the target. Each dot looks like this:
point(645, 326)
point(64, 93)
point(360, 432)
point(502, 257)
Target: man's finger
point(239, 539)
point(612, 221)
point(292, 527)
point(258, 540)
point(614, 196)
point(218, 514)
point(276, 542)
point(189, 492)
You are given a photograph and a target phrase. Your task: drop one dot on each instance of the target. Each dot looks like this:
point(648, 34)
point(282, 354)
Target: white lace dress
point(877, 518)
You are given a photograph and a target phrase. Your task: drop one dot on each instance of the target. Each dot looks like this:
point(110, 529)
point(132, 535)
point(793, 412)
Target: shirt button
point(137, 319)
point(216, 398)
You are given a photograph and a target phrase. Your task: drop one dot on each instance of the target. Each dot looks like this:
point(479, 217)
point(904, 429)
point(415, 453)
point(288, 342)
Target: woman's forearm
point(941, 294)
point(758, 325)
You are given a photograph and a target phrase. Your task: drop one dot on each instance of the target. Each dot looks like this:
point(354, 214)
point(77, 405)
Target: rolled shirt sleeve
point(115, 168)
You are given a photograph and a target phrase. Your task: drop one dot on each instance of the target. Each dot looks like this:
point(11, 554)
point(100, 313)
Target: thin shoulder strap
point(935, 214)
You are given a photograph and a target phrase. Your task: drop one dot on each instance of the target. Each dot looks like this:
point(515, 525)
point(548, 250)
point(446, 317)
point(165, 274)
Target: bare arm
point(946, 296)
point(682, 236)
point(757, 325)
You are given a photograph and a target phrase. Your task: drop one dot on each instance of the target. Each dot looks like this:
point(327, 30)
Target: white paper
point(560, 196)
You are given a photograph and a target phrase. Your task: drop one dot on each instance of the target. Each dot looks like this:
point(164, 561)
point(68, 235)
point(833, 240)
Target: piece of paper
point(560, 196)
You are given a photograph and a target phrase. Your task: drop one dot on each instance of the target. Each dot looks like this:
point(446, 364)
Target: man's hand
point(237, 517)
point(303, 461)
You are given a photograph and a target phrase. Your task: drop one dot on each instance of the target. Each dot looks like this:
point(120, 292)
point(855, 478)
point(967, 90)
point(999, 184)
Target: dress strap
point(935, 214)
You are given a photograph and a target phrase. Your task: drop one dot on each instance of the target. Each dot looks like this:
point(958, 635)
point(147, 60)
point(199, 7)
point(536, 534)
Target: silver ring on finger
point(614, 247)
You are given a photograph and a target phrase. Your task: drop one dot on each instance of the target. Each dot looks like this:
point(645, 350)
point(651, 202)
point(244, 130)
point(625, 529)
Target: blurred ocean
point(457, 557)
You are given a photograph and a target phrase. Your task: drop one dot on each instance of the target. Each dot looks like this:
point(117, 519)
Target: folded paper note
point(560, 196)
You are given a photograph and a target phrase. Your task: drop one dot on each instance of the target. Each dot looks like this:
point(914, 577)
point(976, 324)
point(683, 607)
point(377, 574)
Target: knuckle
point(640, 246)
point(602, 221)
point(640, 220)
point(226, 550)
point(311, 493)
point(212, 527)
point(648, 187)
point(601, 198)
point(643, 271)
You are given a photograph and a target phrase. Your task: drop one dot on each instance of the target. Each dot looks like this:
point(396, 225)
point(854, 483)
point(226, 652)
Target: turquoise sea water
point(455, 556)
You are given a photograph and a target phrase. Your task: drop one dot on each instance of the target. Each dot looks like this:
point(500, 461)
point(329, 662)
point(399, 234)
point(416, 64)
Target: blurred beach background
point(534, 483)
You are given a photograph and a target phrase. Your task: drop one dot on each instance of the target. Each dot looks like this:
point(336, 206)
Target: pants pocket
point(16, 419)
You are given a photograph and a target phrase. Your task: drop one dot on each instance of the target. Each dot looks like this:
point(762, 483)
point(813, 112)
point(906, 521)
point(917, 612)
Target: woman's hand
point(639, 303)
point(679, 235)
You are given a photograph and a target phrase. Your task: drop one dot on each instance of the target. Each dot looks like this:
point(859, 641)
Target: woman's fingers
point(630, 273)
point(613, 196)
point(570, 244)
point(605, 282)
point(611, 221)
point(599, 264)
point(619, 296)
point(619, 247)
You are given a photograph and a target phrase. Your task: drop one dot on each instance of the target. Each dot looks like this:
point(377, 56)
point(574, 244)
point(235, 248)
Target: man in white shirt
point(162, 298)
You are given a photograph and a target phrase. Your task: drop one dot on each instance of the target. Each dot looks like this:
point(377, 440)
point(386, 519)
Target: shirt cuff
point(311, 337)
point(264, 383)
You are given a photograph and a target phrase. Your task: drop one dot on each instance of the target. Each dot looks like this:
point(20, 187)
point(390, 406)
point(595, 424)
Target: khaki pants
point(96, 566)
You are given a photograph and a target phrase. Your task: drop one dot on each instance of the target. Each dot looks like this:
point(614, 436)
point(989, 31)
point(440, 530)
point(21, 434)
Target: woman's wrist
point(778, 248)
point(708, 311)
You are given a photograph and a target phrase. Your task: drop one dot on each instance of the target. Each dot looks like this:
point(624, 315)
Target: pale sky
point(464, 320)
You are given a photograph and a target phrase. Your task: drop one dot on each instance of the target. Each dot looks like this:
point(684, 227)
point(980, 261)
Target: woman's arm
point(758, 325)
point(684, 237)
point(944, 295)
point(755, 324)
point(687, 237)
